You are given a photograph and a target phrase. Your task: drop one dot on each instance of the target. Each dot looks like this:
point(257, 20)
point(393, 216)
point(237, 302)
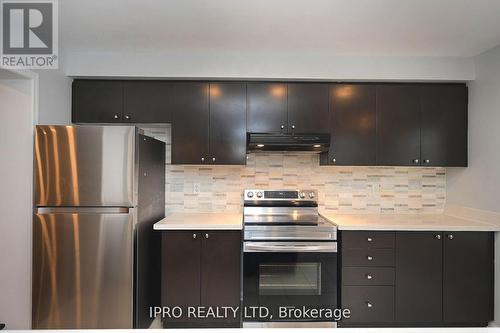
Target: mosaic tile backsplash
point(206, 188)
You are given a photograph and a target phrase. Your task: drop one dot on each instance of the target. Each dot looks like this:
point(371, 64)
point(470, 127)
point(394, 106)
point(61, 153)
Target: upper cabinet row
point(369, 123)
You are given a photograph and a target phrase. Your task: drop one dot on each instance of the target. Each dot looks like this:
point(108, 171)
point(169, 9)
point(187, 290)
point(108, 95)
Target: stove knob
point(311, 195)
point(259, 194)
point(250, 194)
point(302, 195)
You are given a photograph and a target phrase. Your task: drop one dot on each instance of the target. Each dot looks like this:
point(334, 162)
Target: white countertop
point(201, 221)
point(394, 222)
point(407, 222)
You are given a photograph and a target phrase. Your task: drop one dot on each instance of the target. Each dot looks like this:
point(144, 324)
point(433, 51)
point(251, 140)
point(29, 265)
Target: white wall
point(273, 66)
point(54, 106)
point(478, 186)
point(16, 174)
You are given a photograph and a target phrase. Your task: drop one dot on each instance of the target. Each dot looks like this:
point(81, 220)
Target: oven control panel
point(280, 195)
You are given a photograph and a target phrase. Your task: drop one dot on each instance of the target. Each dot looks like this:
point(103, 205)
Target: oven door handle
point(289, 247)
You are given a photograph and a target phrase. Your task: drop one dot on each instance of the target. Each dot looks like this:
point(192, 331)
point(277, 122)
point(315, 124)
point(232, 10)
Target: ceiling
point(321, 27)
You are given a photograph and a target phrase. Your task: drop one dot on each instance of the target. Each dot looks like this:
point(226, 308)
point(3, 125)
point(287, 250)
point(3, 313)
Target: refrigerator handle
point(83, 210)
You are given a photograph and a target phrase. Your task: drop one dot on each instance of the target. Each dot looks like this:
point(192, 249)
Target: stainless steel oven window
point(290, 279)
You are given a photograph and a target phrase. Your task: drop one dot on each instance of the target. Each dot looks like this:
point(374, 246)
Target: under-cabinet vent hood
point(288, 142)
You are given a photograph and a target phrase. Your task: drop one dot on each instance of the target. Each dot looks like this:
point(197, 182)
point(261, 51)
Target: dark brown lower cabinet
point(441, 279)
point(468, 274)
point(201, 269)
point(419, 276)
point(369, 304)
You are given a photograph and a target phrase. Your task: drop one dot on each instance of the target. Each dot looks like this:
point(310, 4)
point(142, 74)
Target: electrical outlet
point(374, 189)
point(196, 188)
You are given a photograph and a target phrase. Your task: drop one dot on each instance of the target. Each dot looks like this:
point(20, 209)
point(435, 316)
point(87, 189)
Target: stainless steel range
point(290, 259)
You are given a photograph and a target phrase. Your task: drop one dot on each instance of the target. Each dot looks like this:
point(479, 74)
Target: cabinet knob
point(213, 159)
point(203, 159)
point(369, 239)
point(369, 304)
point(206, 236)
point(115, 116)
point(369, 258)
point(334, 160)
point(450, 236)
point(282, 126)
point(293, 126)
point(415, 161)
point(127, 117)
point(369, 277)
point(427, 161)
point(438, 236)
point(194, 236)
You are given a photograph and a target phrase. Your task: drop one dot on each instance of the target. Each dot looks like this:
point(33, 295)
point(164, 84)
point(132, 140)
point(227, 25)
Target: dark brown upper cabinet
point(97, 101)
point(398, 125)
point(308, 108)
point(227, 123)
point(110, 101)
point(190, 123)
point(267, 107)
point(444, 125)
point(147, 101)
point(352, 125)
point(209, 123)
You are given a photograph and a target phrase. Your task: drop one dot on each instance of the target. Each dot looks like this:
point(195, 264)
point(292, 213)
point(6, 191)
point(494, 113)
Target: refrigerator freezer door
point(83, 270)
point(84, 165)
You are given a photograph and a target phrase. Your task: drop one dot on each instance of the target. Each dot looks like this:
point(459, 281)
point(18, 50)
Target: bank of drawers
point(368, 275)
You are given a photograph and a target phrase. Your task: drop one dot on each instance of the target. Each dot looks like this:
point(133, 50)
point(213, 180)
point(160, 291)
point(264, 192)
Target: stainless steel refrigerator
point(96, 258)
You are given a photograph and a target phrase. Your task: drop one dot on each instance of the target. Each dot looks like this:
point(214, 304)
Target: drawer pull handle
point(369, 239)
point(368, 304)
point(369, 277)
point(369, 258)
point(194, 236)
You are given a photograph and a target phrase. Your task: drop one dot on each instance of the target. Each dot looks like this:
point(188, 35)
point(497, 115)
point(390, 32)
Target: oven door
point(286, 275)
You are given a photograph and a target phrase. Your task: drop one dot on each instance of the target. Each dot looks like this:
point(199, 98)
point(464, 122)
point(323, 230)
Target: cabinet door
point(228, 123)
point(468, 277)
point(444, 125)
point(352, 121)
point(190, 123)
point(308, 108)
point(147, 101)
point(97, 101)
point(419, 277)
point(267, 107)
point(180, 270)
point(221, 270)
point(398, 125)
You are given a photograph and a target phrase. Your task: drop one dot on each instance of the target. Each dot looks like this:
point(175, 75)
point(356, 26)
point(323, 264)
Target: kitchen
point(201, 189)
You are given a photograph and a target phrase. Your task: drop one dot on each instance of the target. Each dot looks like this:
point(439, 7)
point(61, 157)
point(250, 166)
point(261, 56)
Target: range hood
point(288, 142)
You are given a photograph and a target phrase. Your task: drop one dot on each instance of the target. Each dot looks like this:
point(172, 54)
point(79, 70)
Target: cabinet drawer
point(369, 304)
point(368, 257)
point(368, 276)
point(368, 239)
